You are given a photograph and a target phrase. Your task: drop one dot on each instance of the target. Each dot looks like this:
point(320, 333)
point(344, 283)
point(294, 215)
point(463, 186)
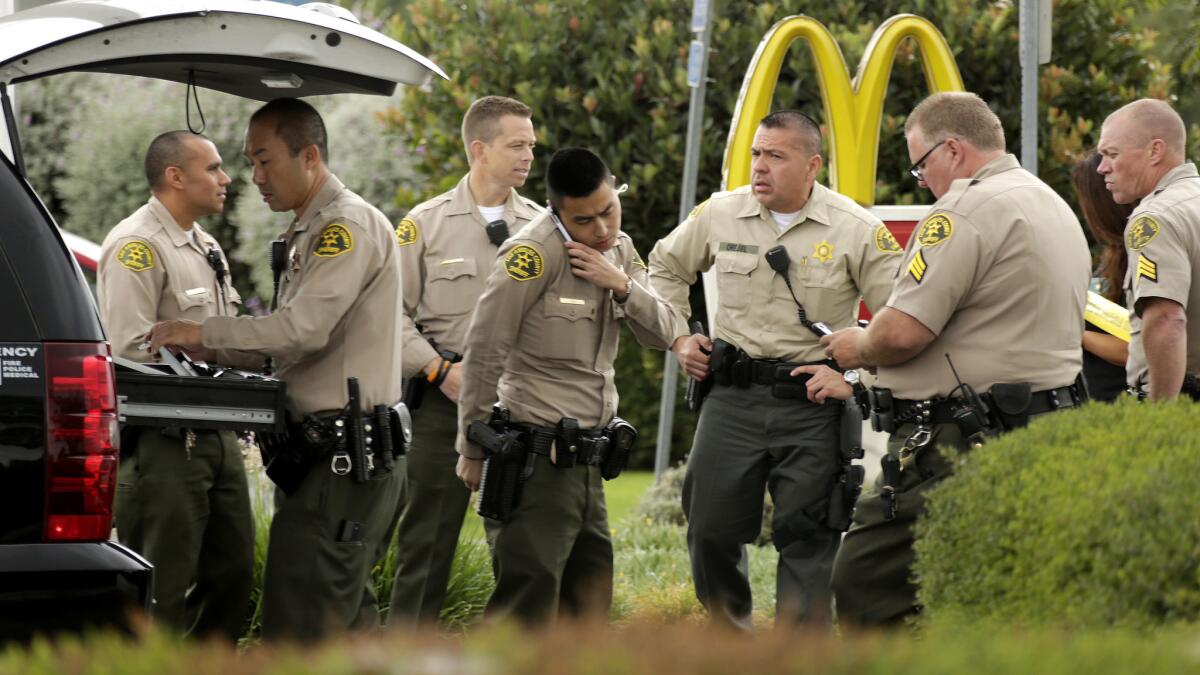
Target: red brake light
point(82, 441)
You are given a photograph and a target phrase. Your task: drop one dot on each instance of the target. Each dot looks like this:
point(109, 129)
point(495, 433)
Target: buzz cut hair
point(575, 173)
point(1154, 119)
point(961, 114)
point(166, 150)
point(297, 124)
point(482, 121)
point(801, 123)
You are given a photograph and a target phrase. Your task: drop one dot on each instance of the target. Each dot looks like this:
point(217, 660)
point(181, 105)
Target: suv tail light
point(82, 441)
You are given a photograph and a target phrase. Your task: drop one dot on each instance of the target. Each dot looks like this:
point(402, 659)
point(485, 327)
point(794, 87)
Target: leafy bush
point(1087, 517)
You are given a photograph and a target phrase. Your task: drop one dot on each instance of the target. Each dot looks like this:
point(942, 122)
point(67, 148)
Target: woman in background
point(1104, 355)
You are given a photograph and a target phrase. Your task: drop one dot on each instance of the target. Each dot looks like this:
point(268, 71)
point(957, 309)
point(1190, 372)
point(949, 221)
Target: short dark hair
point(166, 150)
point(297, 123)
point(807, 127)
point(574, 172)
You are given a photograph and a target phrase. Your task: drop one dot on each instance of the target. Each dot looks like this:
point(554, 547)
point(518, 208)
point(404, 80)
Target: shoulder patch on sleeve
point(524, 263)
point(333, 241)
point(885, 241)
point(1141, 232)
point(636, 258)
point(917, 267)
point(699, 207)
point(936, 229)
point(407, 232)
point(137, 256)
point(1147, 268)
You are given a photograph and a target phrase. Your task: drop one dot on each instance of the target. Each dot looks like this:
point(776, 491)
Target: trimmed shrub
point(1088, 517)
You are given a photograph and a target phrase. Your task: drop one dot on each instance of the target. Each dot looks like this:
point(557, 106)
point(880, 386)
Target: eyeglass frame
point(917, 170)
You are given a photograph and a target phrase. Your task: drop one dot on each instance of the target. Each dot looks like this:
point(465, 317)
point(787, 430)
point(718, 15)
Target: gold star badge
point(823, 251)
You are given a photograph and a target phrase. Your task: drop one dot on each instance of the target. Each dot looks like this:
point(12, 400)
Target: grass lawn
point(623, 493)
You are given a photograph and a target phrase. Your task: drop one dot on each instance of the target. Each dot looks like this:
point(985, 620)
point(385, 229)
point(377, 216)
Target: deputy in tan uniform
point(543, 341)
point(337, 316)
point(447, 246)
point(182, 499)
point(1143, 146)
point(761, 427)
point(991, 294)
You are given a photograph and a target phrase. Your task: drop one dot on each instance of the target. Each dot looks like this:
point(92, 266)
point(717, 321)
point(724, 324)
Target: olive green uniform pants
point(325, 539)
point(431, 516)
point(872, 580)
point(188, 512)
point(748, 441)
point(555, 556)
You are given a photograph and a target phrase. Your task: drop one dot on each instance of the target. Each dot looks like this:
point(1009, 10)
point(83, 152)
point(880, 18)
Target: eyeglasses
point(918, 167)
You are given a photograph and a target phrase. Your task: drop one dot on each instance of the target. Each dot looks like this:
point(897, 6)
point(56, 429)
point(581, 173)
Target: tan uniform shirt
point(543, 340)
point(152, 270)
point(446, 255)
point(338, 310)
point(838, 250)
point(999, 272)
point(1163, 242)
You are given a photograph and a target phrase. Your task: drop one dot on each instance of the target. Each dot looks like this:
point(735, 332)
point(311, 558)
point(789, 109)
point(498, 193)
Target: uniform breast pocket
point(569, 330)
point(450, 287)
point(192, 303)
point(733, 278)
point(829, 292)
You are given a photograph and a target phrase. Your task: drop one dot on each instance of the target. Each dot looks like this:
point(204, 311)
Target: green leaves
point(1086, 518)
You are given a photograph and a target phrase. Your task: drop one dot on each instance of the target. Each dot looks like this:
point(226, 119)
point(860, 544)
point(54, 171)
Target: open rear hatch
point(252, 48)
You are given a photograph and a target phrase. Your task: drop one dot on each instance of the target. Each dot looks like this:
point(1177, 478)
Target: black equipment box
point(152, 395)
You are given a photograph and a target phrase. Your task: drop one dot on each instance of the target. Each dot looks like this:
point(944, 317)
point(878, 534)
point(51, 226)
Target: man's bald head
point(1148, 119)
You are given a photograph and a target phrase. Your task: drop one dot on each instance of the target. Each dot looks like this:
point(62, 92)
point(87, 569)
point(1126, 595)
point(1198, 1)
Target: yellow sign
point(1107, 315)
point(853, 110)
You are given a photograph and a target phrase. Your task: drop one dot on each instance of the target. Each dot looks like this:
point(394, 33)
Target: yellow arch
point(852, 111)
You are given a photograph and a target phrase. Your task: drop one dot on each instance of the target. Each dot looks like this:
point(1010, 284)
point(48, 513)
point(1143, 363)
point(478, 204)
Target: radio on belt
point(181, 393)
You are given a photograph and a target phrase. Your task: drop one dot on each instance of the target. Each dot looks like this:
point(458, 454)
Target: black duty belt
point(1191, 388)
point(944, 410)
point(591, 448)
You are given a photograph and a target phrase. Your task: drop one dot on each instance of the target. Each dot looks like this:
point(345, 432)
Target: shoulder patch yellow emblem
point(637, 258)
point(333, 241)
point(936, 229)
point(524, 263)
point(917, 267)
point(407, 232)
point(137, 256)
point(886, 242)
point(696, 211)
point(1147, 268)
point(823, 251)
point(1141, 232)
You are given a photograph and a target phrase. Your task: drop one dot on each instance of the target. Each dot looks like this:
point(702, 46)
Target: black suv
point(59, 411)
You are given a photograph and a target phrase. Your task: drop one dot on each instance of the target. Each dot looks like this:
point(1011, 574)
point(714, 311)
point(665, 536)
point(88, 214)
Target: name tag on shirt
point(195, 291)
point(738, 248)
point(572, 301)
point(451, 261)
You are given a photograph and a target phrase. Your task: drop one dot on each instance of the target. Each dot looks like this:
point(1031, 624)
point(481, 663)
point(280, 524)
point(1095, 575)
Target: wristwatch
point(854, 379)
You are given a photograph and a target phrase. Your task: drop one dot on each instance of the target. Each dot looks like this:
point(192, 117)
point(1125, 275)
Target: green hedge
point(1088, 517)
